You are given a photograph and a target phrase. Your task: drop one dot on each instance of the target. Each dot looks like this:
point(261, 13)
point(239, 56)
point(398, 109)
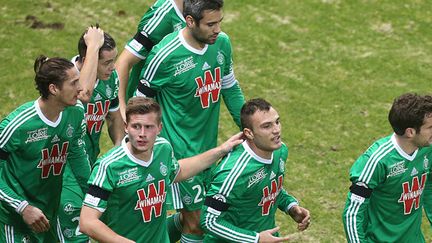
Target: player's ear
point(52, 88)
point(189, 21)
point(159, 128)
point(248, 133)
point(410, 132)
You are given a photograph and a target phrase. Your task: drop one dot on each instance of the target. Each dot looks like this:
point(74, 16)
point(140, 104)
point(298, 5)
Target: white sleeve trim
point(228, 81)
point(131, 50)
point(21, 207)
point(290, 206)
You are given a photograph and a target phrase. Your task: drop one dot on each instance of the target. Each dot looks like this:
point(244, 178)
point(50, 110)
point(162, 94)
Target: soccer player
point(36, 141)
point(97, 53)
point(164, 17)
point(247, 186)
point(188, 72)
point(128, 185)
point(385, 199)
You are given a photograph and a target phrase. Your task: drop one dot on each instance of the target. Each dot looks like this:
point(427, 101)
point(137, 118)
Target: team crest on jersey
point(397, 169)
point(187, 200)
point(270, 195)
point(208, 89)
point(127, 176)
point(69, 131)
point(257, 177)
point(410, 197)
point(184, 66)
point(152, 202)
point(425, 162)
point(53, 159)
point(108, 91)
point(95, 116)
point(37, 135)
point(68, 209)
point(26, 239)
point(220, 58)
point(281, 165)
point(68, 233)
point(163, 169)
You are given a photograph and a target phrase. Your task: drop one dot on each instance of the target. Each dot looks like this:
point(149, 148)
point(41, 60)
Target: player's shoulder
point(381, 146)
point(22, 112)
point(111, 157)
point(77, 109)
point(223, 38)
point(162, 143)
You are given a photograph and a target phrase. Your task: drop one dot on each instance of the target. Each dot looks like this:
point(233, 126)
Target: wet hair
point(196, 8)
point(50, 71)
point(409, 111)
point(142, 105)
point(249, 108)
point(108, 45)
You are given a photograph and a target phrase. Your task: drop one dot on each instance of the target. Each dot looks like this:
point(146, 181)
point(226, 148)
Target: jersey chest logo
point(269, 195)
point(411, 196)
point(54, 159)
point(96, 114)
point(209, 88)
point(152, 201)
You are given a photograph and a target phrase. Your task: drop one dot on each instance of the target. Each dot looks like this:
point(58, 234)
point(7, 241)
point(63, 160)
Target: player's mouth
point(276, 139)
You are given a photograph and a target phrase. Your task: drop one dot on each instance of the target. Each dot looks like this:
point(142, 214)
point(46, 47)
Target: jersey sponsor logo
point(68, 208)
point(270, 195)
point(272, 175)
point(205, 66)
point(26, 239)
point(257, 177)
point(178, 26)
point(152, 201)
point(37, 135)
point(54, 158)
point(184, 66)
point(96, 115)
point(209, 87)
point(97, 97)
point(128, 176)
point(410, 197)
point(397, 169)
point(149, 178)
point(414, 172)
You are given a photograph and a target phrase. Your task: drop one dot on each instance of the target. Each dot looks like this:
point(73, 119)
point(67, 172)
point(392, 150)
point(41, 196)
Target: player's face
point(142, 130)
point(209, 27)
point(424, 137)
point(106, 64)
point(68, 92)
point(266, 130)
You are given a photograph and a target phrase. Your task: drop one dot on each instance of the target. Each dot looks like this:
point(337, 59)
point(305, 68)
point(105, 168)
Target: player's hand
point(233, 141)
point(301, 216)
point(267, 236)
point(35, 219)
point(94, 37)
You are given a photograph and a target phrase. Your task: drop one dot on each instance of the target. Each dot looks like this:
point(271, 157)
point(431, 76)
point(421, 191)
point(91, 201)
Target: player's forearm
point(88, 73)
point(115, 127)
point(286, 201)
point(234, 100)
point(354, 217)
point(123, 65)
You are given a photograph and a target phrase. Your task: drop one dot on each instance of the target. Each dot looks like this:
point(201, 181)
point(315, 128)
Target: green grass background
point(330, 67)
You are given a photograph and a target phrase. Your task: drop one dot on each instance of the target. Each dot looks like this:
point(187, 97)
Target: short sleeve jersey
point(252, 187)
point(188, 85)
point(397, 179)
point(37, 151)
point(136, 207)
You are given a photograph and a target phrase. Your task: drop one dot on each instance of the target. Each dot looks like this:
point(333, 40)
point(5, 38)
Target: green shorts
point(9, 234)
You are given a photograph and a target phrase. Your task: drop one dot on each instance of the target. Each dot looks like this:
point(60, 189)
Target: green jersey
point(244, 194)
point(188, 84)
point(35, 150)
point(161, 19)
point(103, 100)
point(393, 211)
point(134, 191)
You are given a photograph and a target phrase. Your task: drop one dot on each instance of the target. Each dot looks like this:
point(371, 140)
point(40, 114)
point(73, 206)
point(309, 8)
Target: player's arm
point(115, 123)
point(77, 158)
point(289, 205)
point(94, 39)
point(123, 66)
point(193, 165)
point(90, 223)
point(427, 198)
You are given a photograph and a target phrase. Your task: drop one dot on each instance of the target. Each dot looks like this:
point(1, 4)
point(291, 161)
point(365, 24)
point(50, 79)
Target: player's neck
point(190, 40)
point(406, 144)
point(50, 108)
point(144, 156)
point(179, 4)
point(260, 152)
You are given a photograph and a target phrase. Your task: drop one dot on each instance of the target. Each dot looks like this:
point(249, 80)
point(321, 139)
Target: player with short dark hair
point(247, 186)
point(385, 199)
point(188, 73)
point(97, 54)
point(128, 185)
point(162, 18)
point(36, 141)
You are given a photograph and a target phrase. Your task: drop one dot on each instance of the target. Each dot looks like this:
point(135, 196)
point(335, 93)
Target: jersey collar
point(400, 150)
point(189, 47)
point(132, 157)
point(43, 117)
point(255, 156)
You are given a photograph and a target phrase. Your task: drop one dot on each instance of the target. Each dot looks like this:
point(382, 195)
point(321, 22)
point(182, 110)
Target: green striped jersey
point(188, 84)
point(136, 207)
point(160, 19)
point(394, 210)
point(253, 189)
point(37, 151)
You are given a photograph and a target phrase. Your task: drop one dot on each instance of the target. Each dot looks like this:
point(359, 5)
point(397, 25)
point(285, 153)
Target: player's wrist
point(23, 204)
